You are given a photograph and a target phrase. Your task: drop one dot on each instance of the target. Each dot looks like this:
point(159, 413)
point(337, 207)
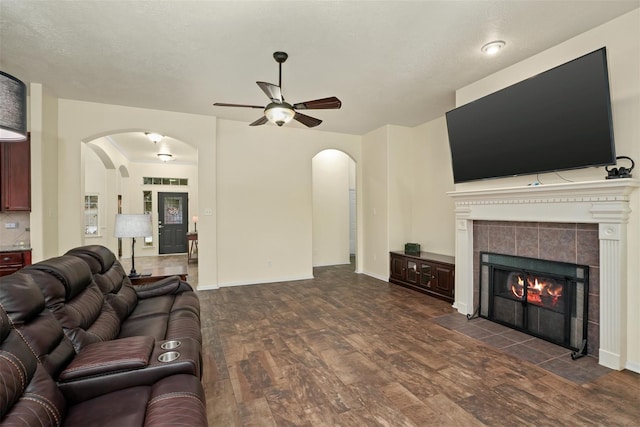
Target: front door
point(173, 222)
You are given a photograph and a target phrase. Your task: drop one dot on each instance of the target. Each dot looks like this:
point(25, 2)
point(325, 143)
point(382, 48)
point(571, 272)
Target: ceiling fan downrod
point(280, 57)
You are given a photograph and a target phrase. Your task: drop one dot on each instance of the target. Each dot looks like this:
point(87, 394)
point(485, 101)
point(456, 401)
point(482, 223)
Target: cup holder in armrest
point(170, 345)
point(168, 356)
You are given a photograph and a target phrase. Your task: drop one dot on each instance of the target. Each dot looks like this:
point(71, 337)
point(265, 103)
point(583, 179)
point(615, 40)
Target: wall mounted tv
point(557, 120)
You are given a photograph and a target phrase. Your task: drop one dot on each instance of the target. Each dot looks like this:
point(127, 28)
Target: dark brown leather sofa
point(65, 341)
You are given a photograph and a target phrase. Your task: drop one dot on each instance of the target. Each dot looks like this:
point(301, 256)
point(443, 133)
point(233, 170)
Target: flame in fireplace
point(538, 291)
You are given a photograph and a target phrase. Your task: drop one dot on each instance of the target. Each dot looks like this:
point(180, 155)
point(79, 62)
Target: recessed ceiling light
point(165, 157)
point(493, 47)
point(154, 137)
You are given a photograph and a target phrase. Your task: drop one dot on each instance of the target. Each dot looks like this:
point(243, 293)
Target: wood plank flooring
point(349, 350)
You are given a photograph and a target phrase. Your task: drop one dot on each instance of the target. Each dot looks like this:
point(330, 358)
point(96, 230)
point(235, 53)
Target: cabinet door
point(397, 267)
point(444, 282)
point(412, 272)
point(16, 176)
point(426, 275)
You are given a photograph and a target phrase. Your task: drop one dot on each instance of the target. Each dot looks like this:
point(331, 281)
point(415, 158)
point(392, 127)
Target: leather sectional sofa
point(81, 346)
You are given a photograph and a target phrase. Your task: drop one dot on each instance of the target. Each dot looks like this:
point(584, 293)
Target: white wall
point(265, 203)
point(331, 178)
point(375, 260)
point(43, 125)
point(433, 210)
point(622, 40)
point(401, 187)
point(81, 122)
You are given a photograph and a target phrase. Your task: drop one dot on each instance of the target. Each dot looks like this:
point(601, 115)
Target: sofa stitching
point(49, 407)
point(173, 395)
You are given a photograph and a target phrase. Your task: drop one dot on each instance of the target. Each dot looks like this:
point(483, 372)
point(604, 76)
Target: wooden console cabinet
point(426, 272)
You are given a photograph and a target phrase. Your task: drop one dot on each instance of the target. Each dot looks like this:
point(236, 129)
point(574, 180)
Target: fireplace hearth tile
point(473, 331)
point(546, 355)
point(517, 336)
point(497, 341)
point(580, 371)
point(548, 348)
point(523, 351)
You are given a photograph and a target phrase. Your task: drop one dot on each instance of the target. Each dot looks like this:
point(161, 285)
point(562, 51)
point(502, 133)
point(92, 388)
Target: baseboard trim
point(249, 282)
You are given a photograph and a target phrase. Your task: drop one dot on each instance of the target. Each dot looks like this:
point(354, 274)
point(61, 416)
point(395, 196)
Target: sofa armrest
point(107, 357)
point(168, 286)
point(189, 362)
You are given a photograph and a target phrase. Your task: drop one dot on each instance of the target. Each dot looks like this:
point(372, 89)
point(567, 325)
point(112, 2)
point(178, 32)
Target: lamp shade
point(279, 113)
point(133, 225)
point(13, 108)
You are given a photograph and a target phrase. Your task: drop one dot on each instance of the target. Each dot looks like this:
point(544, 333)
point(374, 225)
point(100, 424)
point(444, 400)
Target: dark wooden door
point(173, 222)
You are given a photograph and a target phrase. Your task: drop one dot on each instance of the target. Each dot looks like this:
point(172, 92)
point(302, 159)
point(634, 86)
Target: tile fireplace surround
point(603, 203)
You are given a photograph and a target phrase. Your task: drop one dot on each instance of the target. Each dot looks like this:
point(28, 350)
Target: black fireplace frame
point(573, 276)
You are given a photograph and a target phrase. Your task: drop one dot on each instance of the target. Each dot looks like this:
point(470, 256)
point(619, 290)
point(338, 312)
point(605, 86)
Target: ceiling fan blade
point(272, 91)
point(262, 120)
point(224, 104)
point(319, 104)
point(308, 121)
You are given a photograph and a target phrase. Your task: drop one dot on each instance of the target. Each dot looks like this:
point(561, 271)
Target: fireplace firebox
point(546, 299)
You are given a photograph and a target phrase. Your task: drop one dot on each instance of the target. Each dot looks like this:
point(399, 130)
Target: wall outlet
point(10, 225)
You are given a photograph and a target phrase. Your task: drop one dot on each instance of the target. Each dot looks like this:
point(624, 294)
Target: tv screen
point(557, 120)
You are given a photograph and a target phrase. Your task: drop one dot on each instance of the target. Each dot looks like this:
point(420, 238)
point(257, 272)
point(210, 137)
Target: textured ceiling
point(390, 62)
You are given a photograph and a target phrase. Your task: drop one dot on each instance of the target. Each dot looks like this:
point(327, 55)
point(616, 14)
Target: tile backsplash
point(14, 236)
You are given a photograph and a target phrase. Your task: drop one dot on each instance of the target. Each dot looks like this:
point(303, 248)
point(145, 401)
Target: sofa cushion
point(28, 396)
point(75, 300)
point(24, 303)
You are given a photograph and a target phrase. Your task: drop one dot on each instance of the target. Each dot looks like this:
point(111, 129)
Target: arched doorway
point(334, 208)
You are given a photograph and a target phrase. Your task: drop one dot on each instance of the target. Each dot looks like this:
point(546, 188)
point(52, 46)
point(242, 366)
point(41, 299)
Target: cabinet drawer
point(11, 258)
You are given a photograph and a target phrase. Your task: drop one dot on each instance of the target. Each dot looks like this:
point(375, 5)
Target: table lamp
point(133, 225)
point(195, 223)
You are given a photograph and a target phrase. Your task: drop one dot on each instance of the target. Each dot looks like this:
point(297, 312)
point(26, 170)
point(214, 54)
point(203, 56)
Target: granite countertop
point(14, 248)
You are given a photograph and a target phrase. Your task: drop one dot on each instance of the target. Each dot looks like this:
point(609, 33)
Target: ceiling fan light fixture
point(493, 47)
point(165, 157)
point(279, 113)
point(154, 137)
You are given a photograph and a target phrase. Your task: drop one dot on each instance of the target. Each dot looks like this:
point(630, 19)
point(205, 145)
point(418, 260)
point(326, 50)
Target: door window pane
point(91, 224)
point(172, 210)
point(147, 197)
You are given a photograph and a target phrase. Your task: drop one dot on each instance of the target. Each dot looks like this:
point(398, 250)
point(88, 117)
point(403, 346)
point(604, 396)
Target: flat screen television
point(557, 120)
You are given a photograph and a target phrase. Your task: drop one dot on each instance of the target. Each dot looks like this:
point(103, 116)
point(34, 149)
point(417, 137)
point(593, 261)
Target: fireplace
point(604, 204)
point(546, 299)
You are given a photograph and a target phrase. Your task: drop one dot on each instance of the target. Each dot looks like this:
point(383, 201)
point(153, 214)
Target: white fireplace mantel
point(605, 202)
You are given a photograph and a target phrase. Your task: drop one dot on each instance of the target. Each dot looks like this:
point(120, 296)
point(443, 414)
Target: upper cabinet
point(15, 176)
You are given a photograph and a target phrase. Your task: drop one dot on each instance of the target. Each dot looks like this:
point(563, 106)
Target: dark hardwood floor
point(349, 350)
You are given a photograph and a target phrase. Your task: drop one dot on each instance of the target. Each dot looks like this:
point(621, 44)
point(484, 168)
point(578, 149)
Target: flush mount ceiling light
point(493, 47)
point(165, 157)
point(279, 113)
point(13, 108)
point(154, 137)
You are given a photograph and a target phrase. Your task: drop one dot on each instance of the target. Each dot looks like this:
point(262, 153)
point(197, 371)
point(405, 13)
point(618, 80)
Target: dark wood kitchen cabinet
point(10, 262)
point(426, 272)
point(15, 176)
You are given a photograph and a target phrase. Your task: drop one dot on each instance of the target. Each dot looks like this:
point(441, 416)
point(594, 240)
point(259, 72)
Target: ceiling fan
point(280, 112)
